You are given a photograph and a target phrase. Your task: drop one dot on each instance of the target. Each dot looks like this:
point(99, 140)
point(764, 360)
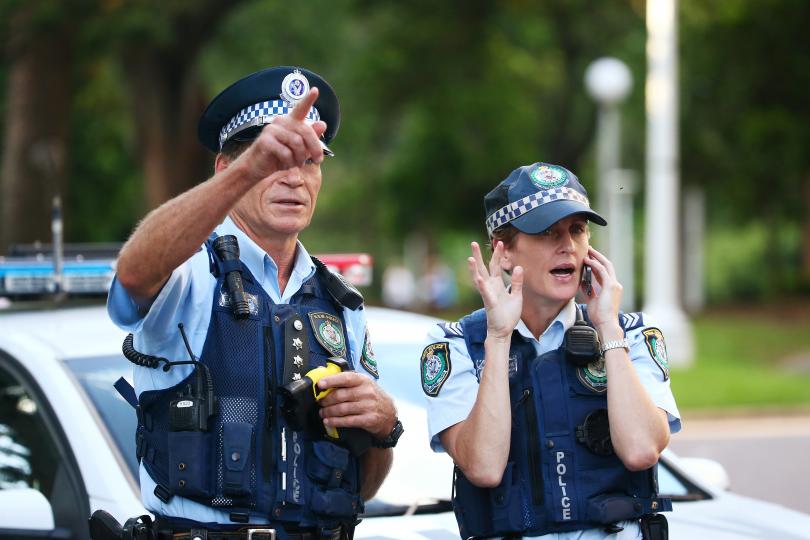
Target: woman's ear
point(506, 260)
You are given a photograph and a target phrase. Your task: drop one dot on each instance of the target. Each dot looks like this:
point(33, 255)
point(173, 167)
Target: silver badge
point(297, 325)
point(294, 87)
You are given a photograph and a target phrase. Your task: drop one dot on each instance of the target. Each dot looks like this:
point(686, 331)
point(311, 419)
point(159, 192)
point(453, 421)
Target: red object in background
point(355, 267)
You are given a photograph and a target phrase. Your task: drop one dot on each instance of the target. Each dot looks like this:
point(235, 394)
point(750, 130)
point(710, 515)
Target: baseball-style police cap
point(534, 197)
point(240, 111)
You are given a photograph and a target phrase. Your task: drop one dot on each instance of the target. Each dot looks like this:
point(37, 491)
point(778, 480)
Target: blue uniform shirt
point(187, 297)
point(457, 394)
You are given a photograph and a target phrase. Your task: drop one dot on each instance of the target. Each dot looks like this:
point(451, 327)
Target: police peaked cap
point(258, 88)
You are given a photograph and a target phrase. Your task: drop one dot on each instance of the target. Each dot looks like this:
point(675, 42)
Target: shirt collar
point(563, 321)
point(253, 256)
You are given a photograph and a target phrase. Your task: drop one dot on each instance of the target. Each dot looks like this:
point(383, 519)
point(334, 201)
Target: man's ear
point(221, 163)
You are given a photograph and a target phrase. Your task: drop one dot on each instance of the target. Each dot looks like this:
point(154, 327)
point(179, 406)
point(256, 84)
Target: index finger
point(341, 380)
point(301, 109)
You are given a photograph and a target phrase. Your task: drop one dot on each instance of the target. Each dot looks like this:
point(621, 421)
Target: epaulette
point(631, 321)
point(452, 329)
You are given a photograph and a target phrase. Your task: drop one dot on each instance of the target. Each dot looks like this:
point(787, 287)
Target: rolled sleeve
point(457, 394)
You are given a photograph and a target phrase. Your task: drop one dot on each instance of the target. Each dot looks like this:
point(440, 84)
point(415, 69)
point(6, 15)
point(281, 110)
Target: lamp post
point(609, 81)
point(662, 260)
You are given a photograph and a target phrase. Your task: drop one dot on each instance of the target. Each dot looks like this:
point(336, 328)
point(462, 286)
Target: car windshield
point(97, 377)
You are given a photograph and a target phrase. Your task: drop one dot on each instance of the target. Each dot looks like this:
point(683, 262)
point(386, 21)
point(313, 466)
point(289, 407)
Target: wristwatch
point(616, 344)
point(391, 440)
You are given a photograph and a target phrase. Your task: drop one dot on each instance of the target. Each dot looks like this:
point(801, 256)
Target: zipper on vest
point(270, 396)
point(533, 447)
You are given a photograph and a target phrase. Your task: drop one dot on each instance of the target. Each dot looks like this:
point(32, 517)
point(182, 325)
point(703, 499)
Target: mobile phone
point(587, 279)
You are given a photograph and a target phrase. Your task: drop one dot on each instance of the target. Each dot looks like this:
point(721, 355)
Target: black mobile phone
point(587, 279)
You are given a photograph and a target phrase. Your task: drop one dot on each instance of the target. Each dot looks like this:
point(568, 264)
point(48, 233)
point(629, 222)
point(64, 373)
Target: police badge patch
point(654, 340)
point(548, 176)
point(435, 367)
point(329, 332)
point(594, 376)
point(368, 360)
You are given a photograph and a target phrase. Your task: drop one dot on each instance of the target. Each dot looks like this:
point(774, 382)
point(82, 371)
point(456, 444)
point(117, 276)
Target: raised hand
point(503, 306)
point(603, 304)
point(289, 141)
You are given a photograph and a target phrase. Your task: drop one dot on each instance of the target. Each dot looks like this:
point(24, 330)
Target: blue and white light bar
point(37, 276)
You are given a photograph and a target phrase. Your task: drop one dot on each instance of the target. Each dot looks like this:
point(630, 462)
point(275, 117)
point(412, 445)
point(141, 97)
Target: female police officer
point(518, 392)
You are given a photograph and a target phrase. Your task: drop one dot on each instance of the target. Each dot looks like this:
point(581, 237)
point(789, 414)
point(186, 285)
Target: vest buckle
point(268, 534)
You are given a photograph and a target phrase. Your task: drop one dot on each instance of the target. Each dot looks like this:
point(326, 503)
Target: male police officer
point(554, 413)
point(215, 447)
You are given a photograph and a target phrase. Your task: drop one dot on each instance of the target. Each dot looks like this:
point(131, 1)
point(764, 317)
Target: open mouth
point(563, 270)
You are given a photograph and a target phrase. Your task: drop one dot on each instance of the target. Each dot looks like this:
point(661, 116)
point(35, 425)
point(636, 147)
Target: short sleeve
point(448, 381)
point(185, 297)
point(360, 345)
point(649, 356)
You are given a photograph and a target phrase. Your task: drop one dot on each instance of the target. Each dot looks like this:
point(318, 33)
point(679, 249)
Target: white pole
point(607, 160)
point(608, 81)
point(662, 259)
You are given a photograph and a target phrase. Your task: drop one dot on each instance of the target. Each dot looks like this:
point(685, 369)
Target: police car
point(67, 444)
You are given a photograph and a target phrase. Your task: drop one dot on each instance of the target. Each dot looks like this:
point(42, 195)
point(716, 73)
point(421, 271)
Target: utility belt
point(105, 527)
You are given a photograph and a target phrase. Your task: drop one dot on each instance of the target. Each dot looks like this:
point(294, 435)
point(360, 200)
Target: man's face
point(281, 204)
point(552, 259)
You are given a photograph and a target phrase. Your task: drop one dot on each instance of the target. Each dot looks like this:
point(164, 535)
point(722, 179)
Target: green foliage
point(750, 263)
point(740, 357)
point(440, 100)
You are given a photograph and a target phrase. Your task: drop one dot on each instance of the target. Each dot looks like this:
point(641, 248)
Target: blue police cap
point(240, 111)
point(534, 197)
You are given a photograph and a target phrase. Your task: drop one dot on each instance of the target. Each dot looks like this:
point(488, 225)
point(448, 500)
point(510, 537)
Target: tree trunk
point(167, 103)
point(167, 100)
point(34, 161)
point(805, 270)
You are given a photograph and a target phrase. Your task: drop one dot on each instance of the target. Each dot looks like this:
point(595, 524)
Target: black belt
point(258, 532)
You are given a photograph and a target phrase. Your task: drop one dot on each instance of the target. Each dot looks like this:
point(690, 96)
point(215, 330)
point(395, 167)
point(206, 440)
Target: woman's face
point(552, 259)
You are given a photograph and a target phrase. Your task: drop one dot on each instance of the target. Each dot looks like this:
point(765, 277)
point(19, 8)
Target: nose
point(293, 177)
point(565, 242)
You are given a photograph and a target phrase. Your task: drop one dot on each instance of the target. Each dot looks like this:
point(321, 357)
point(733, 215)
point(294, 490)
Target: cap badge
point(548, 176)
point(294, 87)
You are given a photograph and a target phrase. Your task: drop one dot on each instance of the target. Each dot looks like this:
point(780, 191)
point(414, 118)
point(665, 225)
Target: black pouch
point(237, 443)
point(329, 464)
point(654, 527)
point(190, 472)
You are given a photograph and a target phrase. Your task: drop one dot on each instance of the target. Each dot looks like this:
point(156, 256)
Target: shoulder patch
point(435, 367)
point(367, 359)
point(654, 340)
point(630, 321)
point(452, 329)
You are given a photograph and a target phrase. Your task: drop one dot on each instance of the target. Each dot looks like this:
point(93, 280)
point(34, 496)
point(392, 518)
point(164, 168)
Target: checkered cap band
point(516, 209)
point(259, 114)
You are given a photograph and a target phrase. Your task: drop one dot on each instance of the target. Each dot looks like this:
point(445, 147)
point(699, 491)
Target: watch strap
point(616, 344)
point(391, 440)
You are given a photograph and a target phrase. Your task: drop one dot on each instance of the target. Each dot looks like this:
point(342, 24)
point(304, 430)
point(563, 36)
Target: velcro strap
point(127, 392)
